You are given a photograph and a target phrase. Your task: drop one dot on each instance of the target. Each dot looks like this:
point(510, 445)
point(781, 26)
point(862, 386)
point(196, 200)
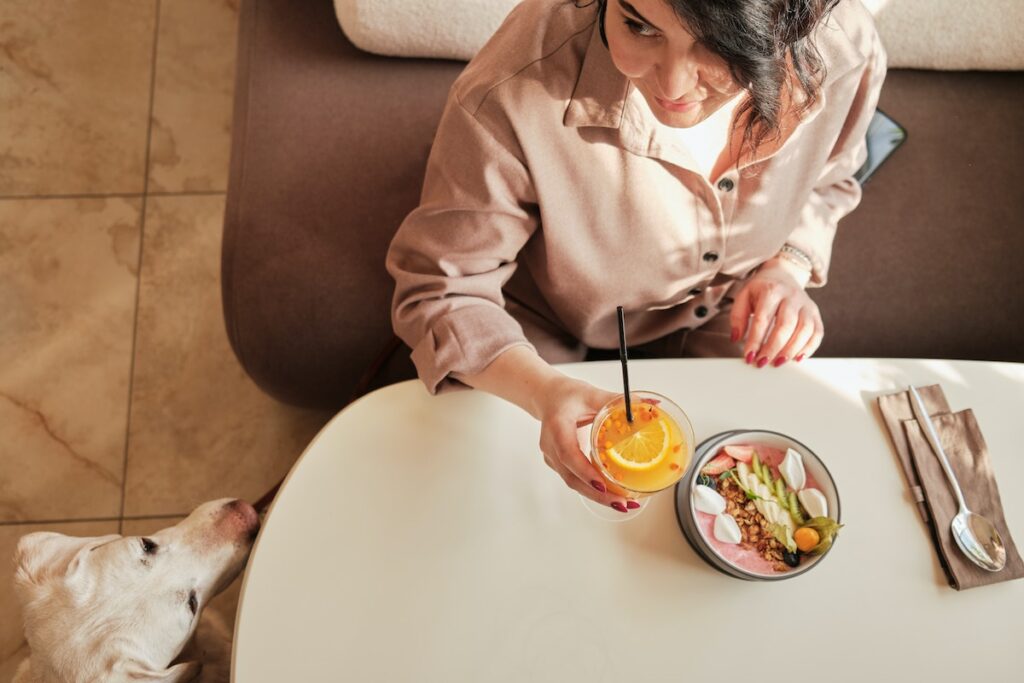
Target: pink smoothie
point(747, 558)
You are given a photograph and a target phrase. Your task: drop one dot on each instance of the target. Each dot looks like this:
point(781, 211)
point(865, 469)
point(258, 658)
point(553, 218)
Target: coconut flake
point(708, 500)
point(792, 469)
point(727, 530)
point(814, 502)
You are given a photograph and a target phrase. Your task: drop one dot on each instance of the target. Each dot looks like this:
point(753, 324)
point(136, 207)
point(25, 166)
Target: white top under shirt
point(708, 139)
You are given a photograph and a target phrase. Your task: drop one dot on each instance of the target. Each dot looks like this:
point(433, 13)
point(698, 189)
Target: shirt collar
point(601, 90)
point(604, 98)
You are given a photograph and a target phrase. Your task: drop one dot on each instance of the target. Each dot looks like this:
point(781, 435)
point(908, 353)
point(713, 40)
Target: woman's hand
point(774, 313)
point(563, 406)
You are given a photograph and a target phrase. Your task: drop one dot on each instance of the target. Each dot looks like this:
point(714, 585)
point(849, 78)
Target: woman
point(687, 159)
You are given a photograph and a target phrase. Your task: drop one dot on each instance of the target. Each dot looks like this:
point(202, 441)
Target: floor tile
point(12, 639)
point(75, 83)
point(200, 429)
point(68, 277)
point(192, 99)
point(10, 662)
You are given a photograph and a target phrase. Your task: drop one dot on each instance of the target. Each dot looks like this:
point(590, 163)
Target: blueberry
point(792, 559)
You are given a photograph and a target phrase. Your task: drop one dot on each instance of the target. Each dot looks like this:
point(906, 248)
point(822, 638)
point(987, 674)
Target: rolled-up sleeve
point(836, 192)
point(453, 254)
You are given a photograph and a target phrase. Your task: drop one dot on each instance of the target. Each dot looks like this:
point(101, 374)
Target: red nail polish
point(598, 485)
point(762, 362)
point(750, 358)
point(799, 358)
point(735, 337)
point(779, 361)
point(619, 506)
point(632, 504)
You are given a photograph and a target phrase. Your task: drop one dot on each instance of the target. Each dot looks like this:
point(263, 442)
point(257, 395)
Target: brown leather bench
point(329, 149)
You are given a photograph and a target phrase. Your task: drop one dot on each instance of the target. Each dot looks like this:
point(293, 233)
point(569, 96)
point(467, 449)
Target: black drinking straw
point(624, 358)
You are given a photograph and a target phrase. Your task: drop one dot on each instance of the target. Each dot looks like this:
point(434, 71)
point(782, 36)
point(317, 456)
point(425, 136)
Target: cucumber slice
point(794, 508)
point(780, 491)
point(755, 465)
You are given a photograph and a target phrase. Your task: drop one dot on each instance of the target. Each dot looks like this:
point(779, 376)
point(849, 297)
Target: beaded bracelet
point(794, 255)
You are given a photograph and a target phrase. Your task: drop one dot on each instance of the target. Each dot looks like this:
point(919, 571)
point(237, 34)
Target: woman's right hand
point(564, 405)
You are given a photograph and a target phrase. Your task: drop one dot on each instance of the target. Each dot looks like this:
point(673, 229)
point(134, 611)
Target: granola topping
point(753, 525)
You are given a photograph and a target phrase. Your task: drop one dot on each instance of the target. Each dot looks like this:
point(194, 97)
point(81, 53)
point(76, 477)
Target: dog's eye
point(148, 546)
point(193, 602)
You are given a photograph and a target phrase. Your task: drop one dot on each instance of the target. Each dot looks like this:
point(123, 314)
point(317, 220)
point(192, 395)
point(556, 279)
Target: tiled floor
point(121, 405)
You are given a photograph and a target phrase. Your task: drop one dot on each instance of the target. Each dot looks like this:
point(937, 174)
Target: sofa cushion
point(921, 34)
point(951, 34)
point(329, 148)
point(448, 29)
point(928, 265)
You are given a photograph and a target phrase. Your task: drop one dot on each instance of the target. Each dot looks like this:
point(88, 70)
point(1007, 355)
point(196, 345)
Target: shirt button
point(701, 311)
point(710, 256)
point(726, 185)
point(695, 291)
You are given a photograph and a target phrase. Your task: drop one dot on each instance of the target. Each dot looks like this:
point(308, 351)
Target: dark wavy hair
point(758, 39)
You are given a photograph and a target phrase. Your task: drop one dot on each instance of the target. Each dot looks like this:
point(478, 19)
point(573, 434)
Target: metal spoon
point(976, 536)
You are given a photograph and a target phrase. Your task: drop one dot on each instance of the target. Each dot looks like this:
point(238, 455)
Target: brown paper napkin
point(964, 445)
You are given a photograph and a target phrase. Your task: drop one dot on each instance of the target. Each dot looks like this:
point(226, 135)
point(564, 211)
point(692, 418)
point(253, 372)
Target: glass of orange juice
point(644, 456)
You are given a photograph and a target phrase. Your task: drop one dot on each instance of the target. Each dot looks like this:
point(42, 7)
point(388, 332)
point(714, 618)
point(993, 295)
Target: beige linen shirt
point(553, 193)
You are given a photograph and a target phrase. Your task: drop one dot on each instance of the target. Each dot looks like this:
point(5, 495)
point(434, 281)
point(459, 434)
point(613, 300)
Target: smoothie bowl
point(758, 505)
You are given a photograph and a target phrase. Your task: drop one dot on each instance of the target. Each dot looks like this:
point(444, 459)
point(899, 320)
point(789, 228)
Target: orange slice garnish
point(644, 449)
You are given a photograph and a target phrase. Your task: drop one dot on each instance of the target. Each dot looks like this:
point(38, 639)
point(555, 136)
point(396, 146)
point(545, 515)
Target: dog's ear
point(41, 555)
point(179, 673)
point(44, 555)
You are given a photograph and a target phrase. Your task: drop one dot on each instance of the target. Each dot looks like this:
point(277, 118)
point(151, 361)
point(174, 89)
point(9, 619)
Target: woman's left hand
point(777, 317)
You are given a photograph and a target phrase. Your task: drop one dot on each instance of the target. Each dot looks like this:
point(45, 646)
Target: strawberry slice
point(718, 464)
point(741, 453)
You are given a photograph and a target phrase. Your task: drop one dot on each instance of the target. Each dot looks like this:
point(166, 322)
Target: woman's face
point(682, 81)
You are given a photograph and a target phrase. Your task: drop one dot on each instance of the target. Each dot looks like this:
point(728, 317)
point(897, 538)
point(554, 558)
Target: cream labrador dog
point(114, 608)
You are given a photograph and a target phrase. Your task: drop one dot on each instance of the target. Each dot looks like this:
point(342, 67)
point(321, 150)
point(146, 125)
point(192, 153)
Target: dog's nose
point(246, 514)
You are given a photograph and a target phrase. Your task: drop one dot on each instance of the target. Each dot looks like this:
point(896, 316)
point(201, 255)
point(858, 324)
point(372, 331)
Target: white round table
point(422, 538)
